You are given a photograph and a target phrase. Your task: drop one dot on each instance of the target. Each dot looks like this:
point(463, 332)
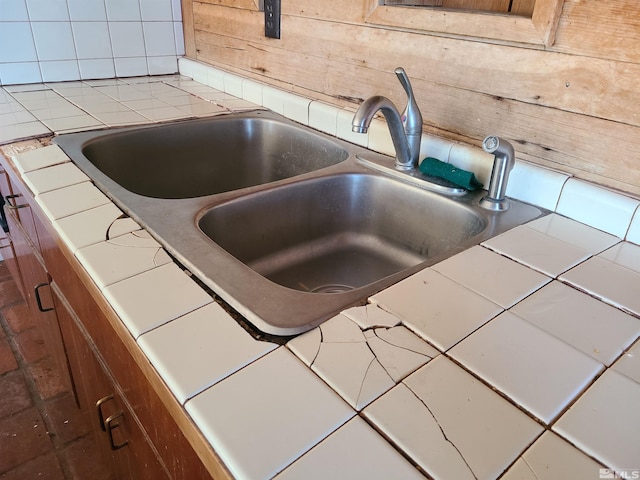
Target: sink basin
point(285, 224)
point(339, 232)
point(198, 158)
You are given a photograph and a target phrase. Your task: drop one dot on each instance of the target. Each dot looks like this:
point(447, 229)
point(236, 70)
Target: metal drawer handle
point(111, 427)
point(14, 205)
point(99, 404)
point(39, 300)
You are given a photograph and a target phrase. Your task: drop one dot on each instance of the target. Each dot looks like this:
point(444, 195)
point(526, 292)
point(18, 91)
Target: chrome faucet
point(405, 128)
point(502, 166)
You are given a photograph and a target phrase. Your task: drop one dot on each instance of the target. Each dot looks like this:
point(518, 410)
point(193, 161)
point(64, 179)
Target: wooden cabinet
point(141, 429)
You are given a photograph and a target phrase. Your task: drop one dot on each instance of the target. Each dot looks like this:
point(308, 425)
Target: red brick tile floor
point(43, 435)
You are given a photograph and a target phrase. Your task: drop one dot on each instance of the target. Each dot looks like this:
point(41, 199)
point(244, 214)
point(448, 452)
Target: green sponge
point(435, 168)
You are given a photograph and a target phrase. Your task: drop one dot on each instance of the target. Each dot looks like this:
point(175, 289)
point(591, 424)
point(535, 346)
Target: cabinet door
point(38, 296)
point(124, 449)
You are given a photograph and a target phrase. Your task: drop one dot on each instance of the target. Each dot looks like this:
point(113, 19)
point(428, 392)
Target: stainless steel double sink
point(285, 224)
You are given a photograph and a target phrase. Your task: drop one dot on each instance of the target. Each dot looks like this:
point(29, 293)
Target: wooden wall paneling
point(342, 11)
point(606, 29)
point(188, 28)
point(522, 7)
point(492, 5)
point(599, 88)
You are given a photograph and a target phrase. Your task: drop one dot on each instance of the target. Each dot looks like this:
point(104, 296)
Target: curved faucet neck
point(362, 120)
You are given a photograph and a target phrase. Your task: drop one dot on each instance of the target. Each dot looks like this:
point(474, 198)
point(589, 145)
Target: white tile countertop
point(516, 359)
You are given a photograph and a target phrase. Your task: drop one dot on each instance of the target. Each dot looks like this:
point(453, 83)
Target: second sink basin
point(340, 232)
point(205, 157)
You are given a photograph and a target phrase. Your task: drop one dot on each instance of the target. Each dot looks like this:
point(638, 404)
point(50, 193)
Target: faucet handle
point(411, 116)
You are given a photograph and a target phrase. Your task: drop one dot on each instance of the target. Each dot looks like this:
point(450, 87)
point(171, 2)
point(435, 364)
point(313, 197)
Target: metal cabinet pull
point(38, 299)
point(99, 404)
point(14, 205)
point(111, 427)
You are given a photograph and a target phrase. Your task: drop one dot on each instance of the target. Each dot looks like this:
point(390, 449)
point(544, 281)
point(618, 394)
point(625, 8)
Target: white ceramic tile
point(114, 119)
point(344, 130)
point(54, 40)
point(278, 392)
point(203, 109)
point(354, 451)
point(96, 68)
point(176, 7)
point(548, 184)
point(199, 349)
point(452, 425)
point(162, 64)
point(493, 276)
point(361, 366)
point(624, 254)
point(232, 84)
point(597, 206)
point(122, 257)
point(17, 117)
point(21, 72)
point(63, 111)
point(21, 131)
point(156, 10)
point(604, 421)
point(94, 226)
point(437, 308)
point(239, 105)
point(551, 458)
point(52, 178)
point(14, 11)
point(39, 158)
point(323, 117)
point(370, 315)
point(593, 327)
point(158, 38)
point(47, 10)
point(92, 40)
point(273, 99)
point(506, 352)
point(59, 70)
point(472, 159)
point(609, 281)
point(633, 235)
point(16, 42)
point(155, 297)
point(163, 113)
point(127, 39)
point(629, 363)
point(588, 238)
point(127, 67)
point(296, 108)
point(435, 147)
point(178, 33)
point(87, 10)
point(252, 91)
point(69, 200)
point(122, 10)
point(537, 250)
point(72, 124)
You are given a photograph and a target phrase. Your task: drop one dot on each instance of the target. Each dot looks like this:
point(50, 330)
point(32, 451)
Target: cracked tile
point(451, 425)
point(39, 158)
point(94, 226)
point(54, 177)
point(370, 315)
point(430, 304)
point(359, 365)
point(121, 257)
point(69, 200)
point(550, 458)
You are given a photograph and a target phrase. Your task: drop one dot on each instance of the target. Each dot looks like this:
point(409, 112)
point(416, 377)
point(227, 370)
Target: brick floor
point(43, 434)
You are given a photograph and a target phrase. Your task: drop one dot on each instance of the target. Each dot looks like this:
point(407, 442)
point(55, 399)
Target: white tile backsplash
point(146, 37)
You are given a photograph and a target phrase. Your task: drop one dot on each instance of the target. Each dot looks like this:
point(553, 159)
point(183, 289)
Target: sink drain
point(331, 288)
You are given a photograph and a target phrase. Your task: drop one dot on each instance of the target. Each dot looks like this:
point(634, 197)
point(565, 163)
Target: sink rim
point(173, 223)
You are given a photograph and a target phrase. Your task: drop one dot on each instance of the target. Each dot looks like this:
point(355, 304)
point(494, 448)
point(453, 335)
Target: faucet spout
point(362, 120)
point(502, 166)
